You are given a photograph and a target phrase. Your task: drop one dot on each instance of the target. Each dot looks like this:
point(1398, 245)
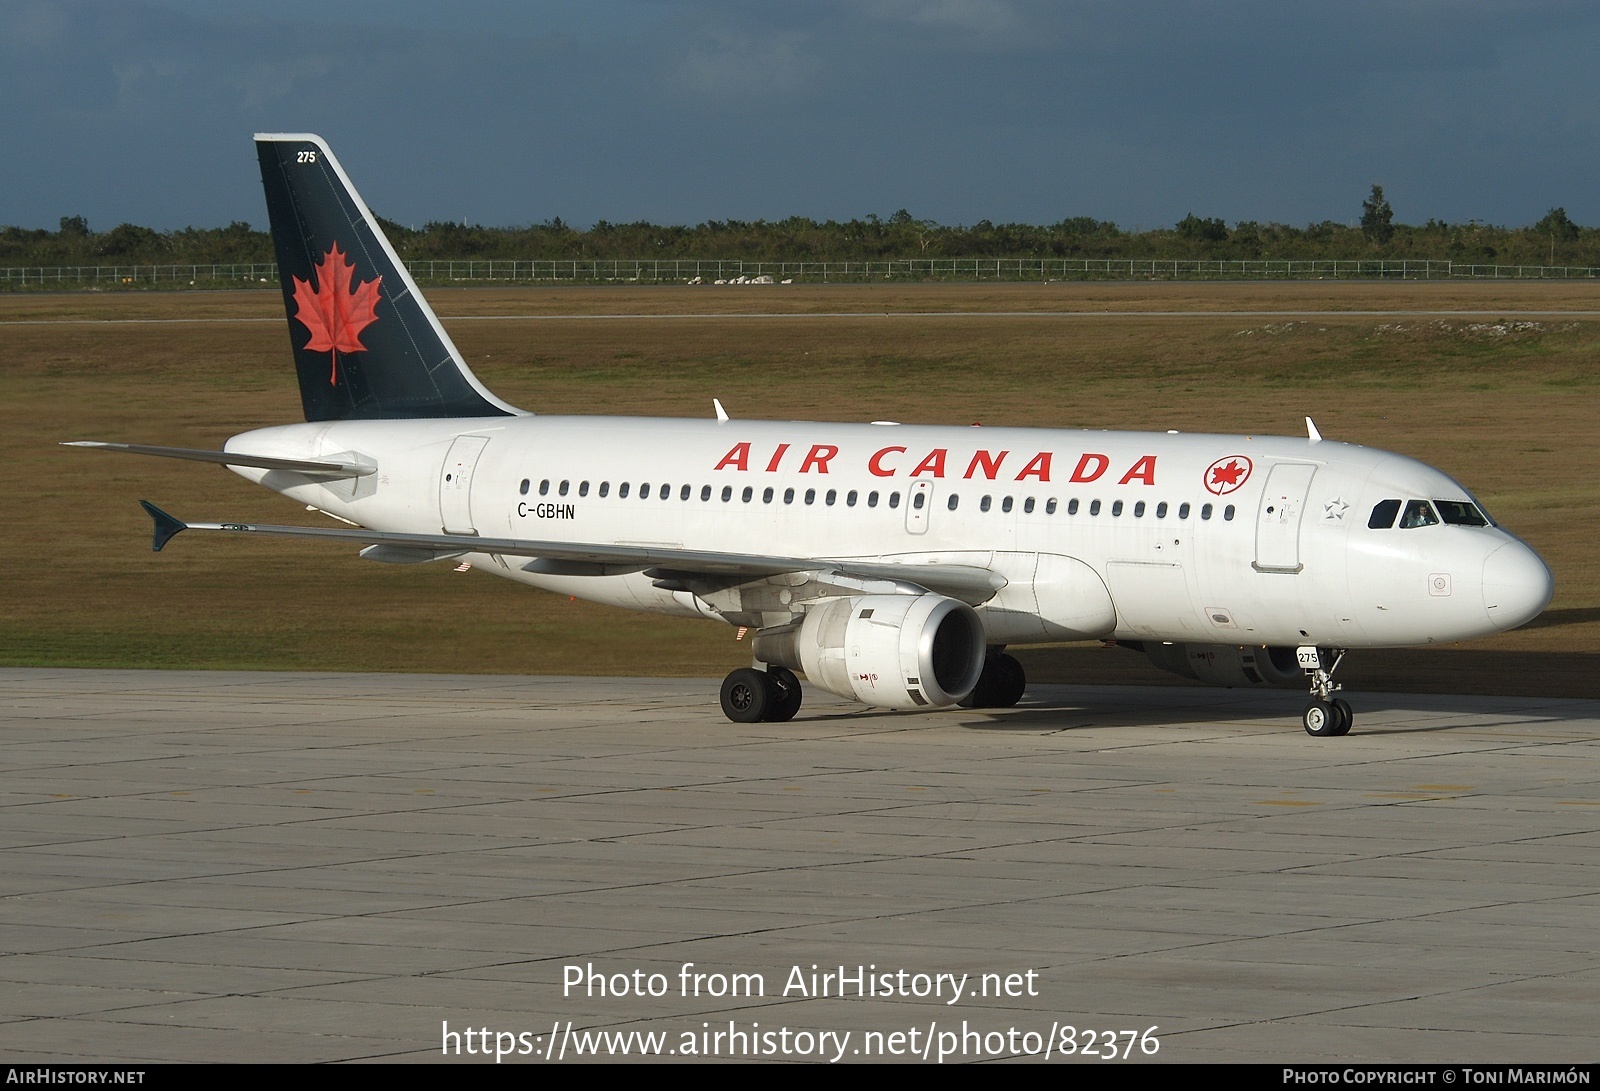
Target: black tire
point(1013, 682)
point(1001, 684)
point(1321, 720)
point(747, 696)
point(786, 695)
point(1347, 715)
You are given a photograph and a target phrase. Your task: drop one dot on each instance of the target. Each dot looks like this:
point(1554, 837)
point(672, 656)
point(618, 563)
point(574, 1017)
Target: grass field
point(1505, 400)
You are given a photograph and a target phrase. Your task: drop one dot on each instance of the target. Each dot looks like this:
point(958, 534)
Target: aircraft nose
point(1516, 586)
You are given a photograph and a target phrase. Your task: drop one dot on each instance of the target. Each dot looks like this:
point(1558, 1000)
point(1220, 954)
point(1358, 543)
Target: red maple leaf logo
point(1227, 474)
point(337, 309)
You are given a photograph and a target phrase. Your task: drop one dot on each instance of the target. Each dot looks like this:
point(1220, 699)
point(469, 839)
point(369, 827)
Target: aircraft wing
point(965, 582)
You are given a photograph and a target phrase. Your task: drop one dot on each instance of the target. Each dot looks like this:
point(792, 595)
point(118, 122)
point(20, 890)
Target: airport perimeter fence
point(736, 271)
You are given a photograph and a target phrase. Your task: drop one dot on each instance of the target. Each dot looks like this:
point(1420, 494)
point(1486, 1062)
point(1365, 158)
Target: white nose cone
point(1516, 586)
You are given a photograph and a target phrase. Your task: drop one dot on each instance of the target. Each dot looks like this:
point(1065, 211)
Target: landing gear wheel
point(1013, 682)
point(1001, 684)
point(786, 695)
point(747, 696)
point(1347, 715)
point(1321, 720)
point(1326, 716)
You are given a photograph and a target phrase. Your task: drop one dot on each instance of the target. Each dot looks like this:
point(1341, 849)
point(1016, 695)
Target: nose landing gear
point(1326, 716)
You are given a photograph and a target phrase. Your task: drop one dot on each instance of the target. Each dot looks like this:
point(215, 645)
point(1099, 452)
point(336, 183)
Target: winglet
point(1311, 431)
point(722, 414)
point(166, 525)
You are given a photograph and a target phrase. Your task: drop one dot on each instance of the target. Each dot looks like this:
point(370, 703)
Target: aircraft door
point(455, 484)
point(1283, 503)
point(919, 501)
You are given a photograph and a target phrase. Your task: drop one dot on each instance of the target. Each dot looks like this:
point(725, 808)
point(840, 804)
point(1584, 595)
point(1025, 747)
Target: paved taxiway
point(232, 866)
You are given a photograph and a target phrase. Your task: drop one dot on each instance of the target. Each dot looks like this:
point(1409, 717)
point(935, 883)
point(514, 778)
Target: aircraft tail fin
point(366, 344)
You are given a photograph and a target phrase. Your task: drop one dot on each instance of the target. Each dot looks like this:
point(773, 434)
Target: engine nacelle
point(1227, 664)
point(892, 651)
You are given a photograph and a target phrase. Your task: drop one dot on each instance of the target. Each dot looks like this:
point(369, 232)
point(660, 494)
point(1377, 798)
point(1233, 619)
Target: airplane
point(891, 564)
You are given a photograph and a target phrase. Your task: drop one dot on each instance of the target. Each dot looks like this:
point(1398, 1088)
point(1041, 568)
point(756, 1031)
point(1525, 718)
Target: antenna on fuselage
point(1311, 431)
point(722, 414)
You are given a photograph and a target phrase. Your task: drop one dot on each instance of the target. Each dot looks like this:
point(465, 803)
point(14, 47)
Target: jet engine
point(1227, 664)
point(891, 651)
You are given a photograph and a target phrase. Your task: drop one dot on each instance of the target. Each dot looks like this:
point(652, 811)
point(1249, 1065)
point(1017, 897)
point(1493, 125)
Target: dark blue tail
point(366, 344)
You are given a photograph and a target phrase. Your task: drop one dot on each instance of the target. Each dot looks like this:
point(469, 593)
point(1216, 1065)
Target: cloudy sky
point(677, 111)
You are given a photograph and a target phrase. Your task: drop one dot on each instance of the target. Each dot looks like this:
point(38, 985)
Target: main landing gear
point(1326, 716)
point(751, 696)
point(1001, 684)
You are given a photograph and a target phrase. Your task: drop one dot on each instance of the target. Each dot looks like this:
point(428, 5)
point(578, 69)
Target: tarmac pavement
point(221, 866)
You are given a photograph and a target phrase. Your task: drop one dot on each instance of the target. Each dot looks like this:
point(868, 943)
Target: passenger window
point(1116, 507)
point(766, 495)
point(1161, 510)
point(1183, 510)
point(811, 496)
point(788, 496)
point(1094, 507)
point(687, 492)
point(562, 491)
point(920, 499)
point(1383, 514)
point(850, 498)
point(747, 494)
point(1005, 505)
point(954, 500)
point(644, 491)
point(523, 488)
point(544, 487)
point(1418, 513)
point(1459, 513)
point(1072, 506)
point(894, 500)
point(1027, 506)
point(1050, 506)
point(983, 505)
point(872, 499)
point(832, 495)
point(1138, 510)
point(705, 493)
point(605, 489)
point(666, 492)
point(622, 491)
point(583, 489)
point(727, 493)
point(1205, 511)
point(1227, 513)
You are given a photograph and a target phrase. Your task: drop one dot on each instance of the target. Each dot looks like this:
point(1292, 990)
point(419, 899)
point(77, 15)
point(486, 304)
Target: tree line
point(1553, 240)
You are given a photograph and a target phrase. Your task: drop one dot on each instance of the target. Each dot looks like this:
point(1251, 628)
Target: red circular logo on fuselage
point(1227, 474)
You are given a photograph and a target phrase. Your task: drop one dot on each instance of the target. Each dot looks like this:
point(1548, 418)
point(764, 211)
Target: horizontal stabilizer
point(231, 458)
point(966, 582)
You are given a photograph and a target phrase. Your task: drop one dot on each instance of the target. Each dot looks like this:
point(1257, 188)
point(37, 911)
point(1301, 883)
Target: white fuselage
point(1209, 539)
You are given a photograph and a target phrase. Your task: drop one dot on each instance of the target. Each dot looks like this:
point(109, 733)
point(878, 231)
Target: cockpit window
point(1418, 513)
point(1383, 514)
point(1460, 513)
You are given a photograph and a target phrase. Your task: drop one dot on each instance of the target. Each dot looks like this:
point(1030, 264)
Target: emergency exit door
point(919, 502)
point(1278, 520)
point(455, 484)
